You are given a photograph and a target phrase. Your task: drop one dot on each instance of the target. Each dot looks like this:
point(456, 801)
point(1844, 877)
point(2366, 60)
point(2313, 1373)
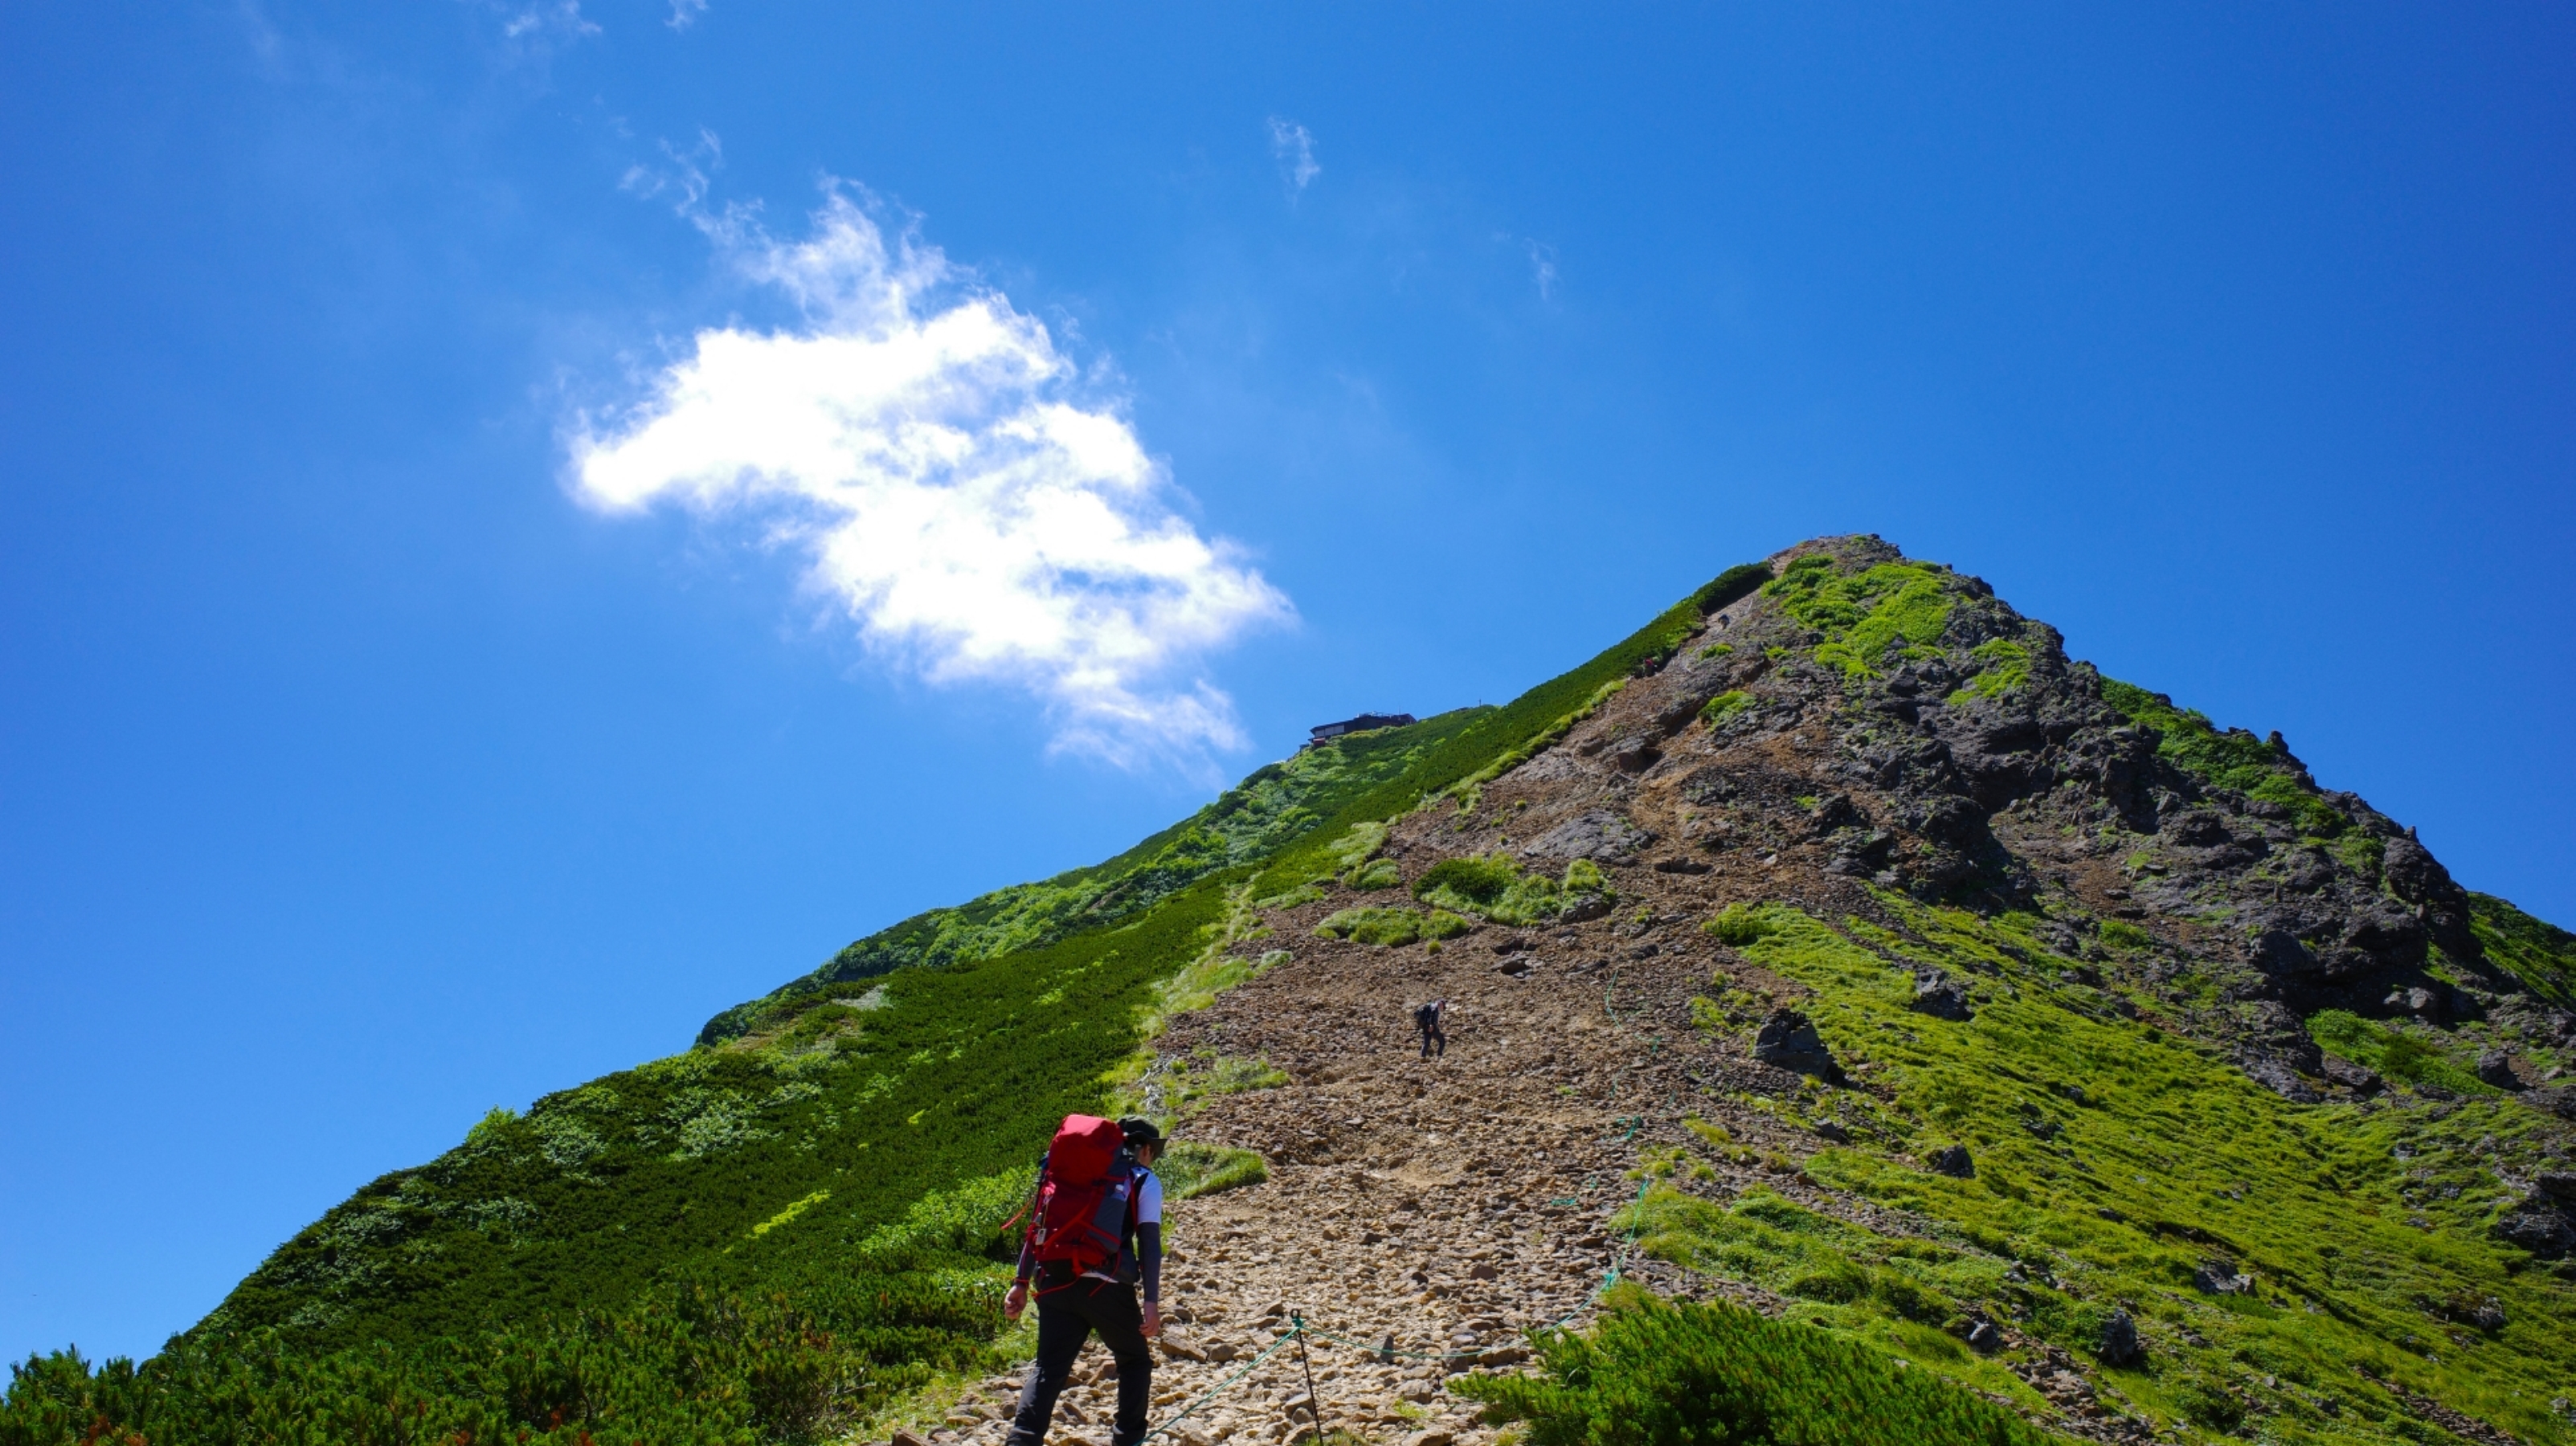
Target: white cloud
point(547, 24)
point(685, 13)
point(969, 499)
point(1295, 150)
point(686, 182)
point(1542, 259)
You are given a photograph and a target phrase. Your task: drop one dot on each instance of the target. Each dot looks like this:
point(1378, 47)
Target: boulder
point(2276, 1074)
point(2118, 1343)
point(1585, 906)
point(2496, 1068)
point(1953, 1161)
point(2351, 1076)
point(1634, 755)
point(2538, 1225)
point(1938, 995)
point(1984, 1339)
point(1596, 834)
point(2421, 1002)
point(2219, 1276)
point(1790, 1041)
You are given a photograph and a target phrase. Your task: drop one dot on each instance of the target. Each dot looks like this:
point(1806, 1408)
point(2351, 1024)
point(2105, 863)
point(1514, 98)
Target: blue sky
point(409, 704)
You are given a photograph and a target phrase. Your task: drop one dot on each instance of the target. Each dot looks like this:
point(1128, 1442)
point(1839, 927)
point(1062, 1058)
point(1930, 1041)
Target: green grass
point(2231, 759)
point(1191, 1169)
point(748, 1186)
point(2356, 1221)
point(1863, 613)
point(2395, 1053)
point(1391, 928)
point(2003, 665)
point(1249, 823)
point(796, 1228)
point(1731, 586)
point(1657, 1374)
point(1373, 875)
point(1725, 705)
point(1492, 887)
point(1737, 925)
point(2540, 954)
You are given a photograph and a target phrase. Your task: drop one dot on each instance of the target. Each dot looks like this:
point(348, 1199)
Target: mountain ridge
point(1872, 965)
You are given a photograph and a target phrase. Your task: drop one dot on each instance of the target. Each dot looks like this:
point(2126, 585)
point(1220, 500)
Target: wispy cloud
point(685, 13)
point(980, 508)
point(546, 24)
point(1294, 148)
point(684, 184)
point(1542, 259)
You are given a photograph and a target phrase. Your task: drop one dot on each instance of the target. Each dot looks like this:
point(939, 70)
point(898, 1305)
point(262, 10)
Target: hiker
point(1427, 1019)
point(1095, 1231)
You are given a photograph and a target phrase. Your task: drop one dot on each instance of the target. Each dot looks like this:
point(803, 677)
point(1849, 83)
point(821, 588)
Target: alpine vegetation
point(1833, 1013)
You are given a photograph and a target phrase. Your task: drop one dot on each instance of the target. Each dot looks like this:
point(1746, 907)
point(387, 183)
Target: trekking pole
point(1314, 1407)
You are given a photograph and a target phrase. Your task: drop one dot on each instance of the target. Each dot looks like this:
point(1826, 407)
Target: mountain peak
point(1835, 949)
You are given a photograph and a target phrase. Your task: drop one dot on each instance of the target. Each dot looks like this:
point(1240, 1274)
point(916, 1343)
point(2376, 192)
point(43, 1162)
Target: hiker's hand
point(1018, 1300)
point(1153, 1319)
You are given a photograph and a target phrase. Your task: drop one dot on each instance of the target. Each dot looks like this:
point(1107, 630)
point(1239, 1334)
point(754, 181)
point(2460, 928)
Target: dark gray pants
point(1431, 1036)
point(1067, 1318)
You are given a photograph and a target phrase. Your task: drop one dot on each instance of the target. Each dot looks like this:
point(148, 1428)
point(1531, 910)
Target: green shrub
point(1441, 924)
point(1358, 844)
point(1390, 928)
point(1376, 874)
point(1191, 1169)
point(1738, 925)
point(1862, 614)
point(1205, 1074)
point(1656, 1374)
point(1492, 887)
point(1839, 1283)
point(1724, 706)
point(2394, 1053)
point(2539, 953)
point(2120, 934)
point(1727, 587)
point(1472, 881)
point(2234, 759)
point(2006, 667)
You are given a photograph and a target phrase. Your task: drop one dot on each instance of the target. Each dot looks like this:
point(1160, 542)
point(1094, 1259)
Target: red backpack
point(1085, 1191)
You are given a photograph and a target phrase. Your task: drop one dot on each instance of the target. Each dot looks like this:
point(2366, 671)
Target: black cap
point(1140, 1130)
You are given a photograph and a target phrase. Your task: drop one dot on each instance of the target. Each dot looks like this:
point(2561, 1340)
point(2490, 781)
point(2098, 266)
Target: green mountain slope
point(2242, 1073)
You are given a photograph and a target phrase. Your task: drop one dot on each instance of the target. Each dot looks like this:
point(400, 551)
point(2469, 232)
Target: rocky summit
point(1834, 953)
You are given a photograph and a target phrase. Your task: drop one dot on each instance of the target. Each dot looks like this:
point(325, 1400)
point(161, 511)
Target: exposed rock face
point(1983, 766)
point(1593, 834)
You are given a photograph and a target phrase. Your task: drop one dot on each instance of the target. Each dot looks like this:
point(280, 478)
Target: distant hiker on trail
point(1427, 1019)
point(1095, 1231)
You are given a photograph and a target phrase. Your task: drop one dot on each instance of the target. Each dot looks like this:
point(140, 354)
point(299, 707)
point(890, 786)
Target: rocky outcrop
point(1597, 834)
point(2155, 865)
